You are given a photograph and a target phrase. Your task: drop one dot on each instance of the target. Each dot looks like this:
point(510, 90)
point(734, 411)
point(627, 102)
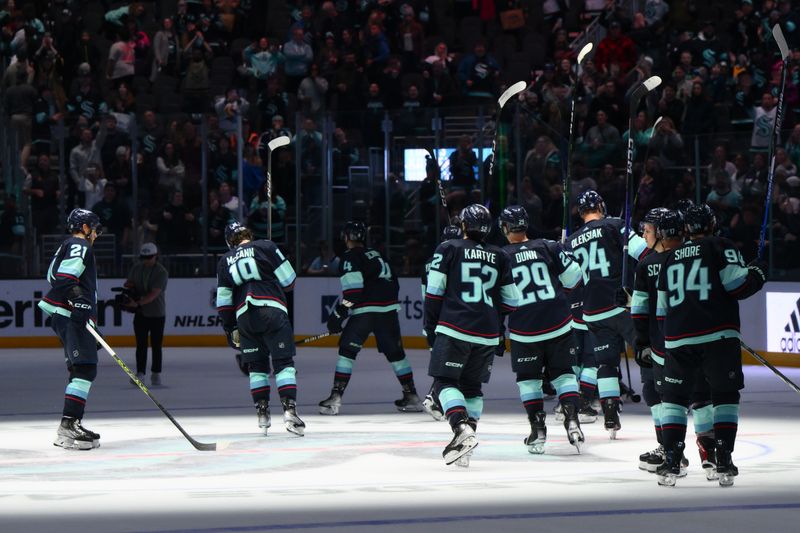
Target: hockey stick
point(629, 392)
point(442, 195)
point(777, 33)
point(507, 95)
point(274, 144)
point(566, 182)
point(309, 340)
point(768, 365)
point(203, 447)
point(644, 161)
point(638, 93)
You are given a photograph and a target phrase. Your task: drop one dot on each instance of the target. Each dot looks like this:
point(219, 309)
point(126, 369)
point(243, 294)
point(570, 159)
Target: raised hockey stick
point(507, 95)
point(638, 93)
point(203, 447)
point(442, 195)
point(566, 182)
point(777, 33)
point(767, 364)
point(644, 161)
point(273, 145)
point(309, 340)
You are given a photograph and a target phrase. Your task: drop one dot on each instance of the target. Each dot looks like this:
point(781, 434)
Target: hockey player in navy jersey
point(431, 403)
point(469, 287)
point(252, 278)
point(71, 303)
point(699, 286)
point(541, 328)
point(369, 298)
point(598, 246)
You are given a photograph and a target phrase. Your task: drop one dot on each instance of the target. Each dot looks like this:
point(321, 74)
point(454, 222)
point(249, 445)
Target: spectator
point(166, 51)
point(260, 60)
point(719, 161)
point(223, 165)
point(441, 88)
point(746, 230)
point(462, 166)
point(374, 115)
point(177, 227)
point(440, 54)
point(230, 107)
point(271, 102)
point(601, 141)
point(82, 157)
point(298, 56)
point(344, 154)
point(42, 187)
point(325, 264)
point(227, 198)
point(477, 72)
point(616, 52)
point(763, 124)
point(20, 102)
point(751, 183)
point(48, 113)
point(377, 51)
point(410, 35)
point(793, 145)
point(84, 52)
point(699, 115)
point(258, 220)
point(666, 144)
point(122, 106)
point(723, 200)
point(670, 106)
point(85, 99)
point(114, 216)
point(783, 163)
point(312, 92)
point(329, 57)
point(195, 84)
point(413, 119)
point(218, 218)
point(113, 139)
point(121, 59)
point(171, 171)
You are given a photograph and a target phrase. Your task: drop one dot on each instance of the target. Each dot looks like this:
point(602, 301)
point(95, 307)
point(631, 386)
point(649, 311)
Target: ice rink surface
point(369, 469)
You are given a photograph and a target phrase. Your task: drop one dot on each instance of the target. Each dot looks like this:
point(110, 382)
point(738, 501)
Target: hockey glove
point(623, 297)
point(232, 335)
point(337, 318)
point(501, 346)
point(80, 313)
point(643, 357)
point(431, 337)
point(760, 268)
point(243, 367)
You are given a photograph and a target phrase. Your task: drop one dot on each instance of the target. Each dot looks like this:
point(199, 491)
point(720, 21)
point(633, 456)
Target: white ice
point(368, 469)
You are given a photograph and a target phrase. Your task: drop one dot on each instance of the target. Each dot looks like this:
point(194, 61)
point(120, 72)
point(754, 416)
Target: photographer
point(147, 282)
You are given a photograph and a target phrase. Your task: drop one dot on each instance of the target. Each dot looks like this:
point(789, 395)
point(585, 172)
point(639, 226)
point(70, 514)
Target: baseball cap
point(148, 249)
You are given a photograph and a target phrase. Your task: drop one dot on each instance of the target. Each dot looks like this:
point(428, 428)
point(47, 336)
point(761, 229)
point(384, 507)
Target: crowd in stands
point(133, 83)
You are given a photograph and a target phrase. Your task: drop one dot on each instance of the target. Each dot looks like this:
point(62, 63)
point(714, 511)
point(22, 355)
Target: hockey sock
point(454, 405)
point(259, 386)
point(703, 418)
point(673, 424)
point(726, 423)
point(287, 384)
point(344, 369)
point(567, 389)
point(588, 382)
point(530, 392)
point(577, 370)
point(402, 369)
point(655, 412)
point(474, 408)
point(75, 397)
point(607, 382)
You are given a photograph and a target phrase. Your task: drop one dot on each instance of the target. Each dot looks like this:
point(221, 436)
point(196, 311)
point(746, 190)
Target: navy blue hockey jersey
point(643, 305)
point(541, 270)
point(598, 248)
point(699, 286)
point(367, 282)
point(255, 273)
point(73, 278)
point(469, 286)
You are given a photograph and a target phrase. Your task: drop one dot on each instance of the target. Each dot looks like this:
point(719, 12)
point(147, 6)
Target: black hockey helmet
point(700, 219)
point(236, 233)
point(78, 217)
point(683, 206)
point(476, 221)
point(653, 217)
point(514, 218)
point(591, 201)
point(354, 231)
point(671, 225)
point(452, 232)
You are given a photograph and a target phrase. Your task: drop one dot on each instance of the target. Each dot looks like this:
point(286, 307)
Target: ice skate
point(586, 414)
point(611, 413)
point(431, 406)
point(670, 470)
point(155, 379)
point(72, 436)
point(573, 427)
point(291, 420)
point(726, 470)
point(707, 448)
point(463, 441)
point(650, 461)
point(262, 410)
point(558, 412)
point(538, 436)
point(331, 405)
point(409, 403)
point(463, 461)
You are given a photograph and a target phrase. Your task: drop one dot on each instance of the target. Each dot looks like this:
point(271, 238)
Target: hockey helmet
point(354, 231)
point(591, 201)
point(236, 233)
point(476, 221)
point(652, 217)
point(700, 219)
point(671, 225)
point(452, 232)
point(683, 206)
point(514, 218)
point(78, 217)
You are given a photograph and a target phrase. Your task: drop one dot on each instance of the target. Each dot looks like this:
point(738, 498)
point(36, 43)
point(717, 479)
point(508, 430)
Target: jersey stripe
point(224, 297)
point(732, 277)
point(352, 280)
point(285, 274)
point(437, 283)
point(73, 266)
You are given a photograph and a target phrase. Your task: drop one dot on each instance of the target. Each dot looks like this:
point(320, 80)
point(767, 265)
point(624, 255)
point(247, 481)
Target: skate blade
point(612, 433)
point(711, 472)
point(684, 472)
point(643, 466)
point(71, 444)
point(652, 468)
point(576, 439)
point(536, 448)
point(578, 444)
point(667, 480)
point(467, 445)
point(726, 480)
point(300, 431)
point(331, 410)
point(410, 408)
point(463, 461)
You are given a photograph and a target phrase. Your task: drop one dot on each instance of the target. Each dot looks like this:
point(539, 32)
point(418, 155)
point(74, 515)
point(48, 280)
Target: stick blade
point(511, 92)
point(204, 447)
point(584, 52)
point(652, 82)
point(276, 143)
point(777, 33)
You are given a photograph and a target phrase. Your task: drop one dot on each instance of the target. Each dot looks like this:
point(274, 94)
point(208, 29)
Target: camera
point(125, 298)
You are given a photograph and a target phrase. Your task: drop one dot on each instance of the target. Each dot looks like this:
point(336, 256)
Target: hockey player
point(541, 327)
point(469, 286)
point(698, 286)
point(431, 403)
point(71, 304)
point(369, 297)
point(598, 245)
point(252, 277)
